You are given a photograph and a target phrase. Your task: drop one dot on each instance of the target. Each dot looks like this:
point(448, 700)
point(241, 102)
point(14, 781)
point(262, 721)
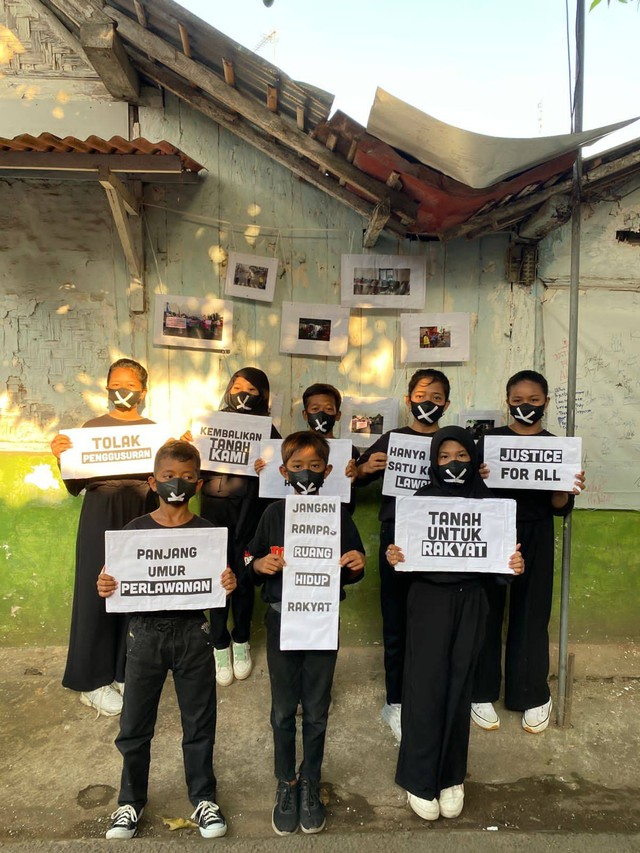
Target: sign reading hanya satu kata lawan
point(109, 451)
point(176, 569)
point(228, 442)
point(455, 534)
point(273, 484)
point(311, 576)
point(532, 462)
point(407, 464)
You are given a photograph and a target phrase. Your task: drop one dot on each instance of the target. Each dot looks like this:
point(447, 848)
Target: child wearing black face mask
point(298, 676)
point(446, 614)
point(527, 647)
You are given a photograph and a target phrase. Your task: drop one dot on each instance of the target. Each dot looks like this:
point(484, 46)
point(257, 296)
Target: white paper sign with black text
point(407, 464)
point(311, 576)
point(455, 534)
point(172, 570)
point(532, 462)
point(109, 451)
point(273, 484)
point(228, 442)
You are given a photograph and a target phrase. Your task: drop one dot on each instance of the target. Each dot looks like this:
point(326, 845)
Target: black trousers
point(156, 645)
point(445, 628)
point(527, 643)
point(305, 677)
point(393, 604)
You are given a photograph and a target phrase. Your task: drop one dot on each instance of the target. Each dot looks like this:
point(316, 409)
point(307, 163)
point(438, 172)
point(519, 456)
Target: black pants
point(393, 604)
point(445, 628)
point(305, 677)
point(156, 645)
point(527, 644)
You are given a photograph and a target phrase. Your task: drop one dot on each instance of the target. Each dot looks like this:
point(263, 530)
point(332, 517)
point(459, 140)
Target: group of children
point(441, 631)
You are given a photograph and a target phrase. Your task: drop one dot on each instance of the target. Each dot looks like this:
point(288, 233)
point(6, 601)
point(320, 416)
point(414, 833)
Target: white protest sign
point(532, 462)
point(273, 484)
point(407, 464)
point(455, 534)
point(108, 451)
point(229, 442)
point(311, 576)
point(172, 569)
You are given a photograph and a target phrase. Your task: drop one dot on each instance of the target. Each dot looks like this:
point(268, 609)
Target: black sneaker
point(284, 818)
point(124, 822)
point(210, 819)
point(312, 818)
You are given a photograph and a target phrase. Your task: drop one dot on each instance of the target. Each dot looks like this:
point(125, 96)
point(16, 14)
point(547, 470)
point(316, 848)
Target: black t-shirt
point(270, 533)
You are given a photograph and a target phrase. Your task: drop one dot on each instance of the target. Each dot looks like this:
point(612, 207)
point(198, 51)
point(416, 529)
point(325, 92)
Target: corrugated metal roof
point(48, 143)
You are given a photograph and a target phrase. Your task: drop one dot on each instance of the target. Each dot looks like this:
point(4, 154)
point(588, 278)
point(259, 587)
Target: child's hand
point(228, 580)
point(351, 471)
point(516, 561)
point(580, 483)
point(270, 564)
point(394, 555)
point(483, 470)
point(376, 462)
point(106, 584)
point(59, 444)
point(260, 465)
point(187, 436)
point(354, 561)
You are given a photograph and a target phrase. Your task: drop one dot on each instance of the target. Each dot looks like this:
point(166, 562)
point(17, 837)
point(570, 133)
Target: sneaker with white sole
point(118, 686)
point(390, 715)
point(285, 817)
point(484, 715)
point(312, 812)
point(224, 670)
point(451, 801)
point(106, 701)
point(536, 720)
point(427, 809)
point(124, 822)
point(210, 819)
point(242, 663)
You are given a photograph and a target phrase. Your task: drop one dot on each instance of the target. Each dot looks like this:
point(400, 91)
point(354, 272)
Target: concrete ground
point(572, 788)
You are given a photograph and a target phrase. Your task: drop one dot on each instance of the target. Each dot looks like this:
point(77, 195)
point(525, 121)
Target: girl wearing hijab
point(446, 615)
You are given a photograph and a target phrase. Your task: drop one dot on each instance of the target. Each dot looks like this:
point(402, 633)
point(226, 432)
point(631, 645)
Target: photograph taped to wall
point(365, 419)
point(314, 329)
point(251, 276)
point(478, 421)
point(434, 338)
point(376, 281)
point(193, 322)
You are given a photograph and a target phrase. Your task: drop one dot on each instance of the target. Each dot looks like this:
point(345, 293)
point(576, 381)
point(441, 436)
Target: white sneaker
point(536, 720)
point(390, 715)
point(242, 663)
point(106, 701)
point(118, 686)
point(451, 801)
point(427, 809)
point(124, 822)
point(224, 670)
point(484, 715)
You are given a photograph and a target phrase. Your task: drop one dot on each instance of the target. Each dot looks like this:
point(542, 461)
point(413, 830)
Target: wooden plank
point(300, 118)
point(332, 141)
point(109, 58)
point(125, 232)
point(272, 98)
point(377, 222)
point(184, 38)
point(78, 12)
point(229, 72)
point(141, 14)
point(352, 150)
point(132, 163)
point(107, 179)
point(394, 180)
point(90, 176)
point(59, 29)
point(278, 126)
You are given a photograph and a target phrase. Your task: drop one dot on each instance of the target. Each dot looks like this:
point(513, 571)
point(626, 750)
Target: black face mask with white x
point(122, 399)
point(321, 422)
point(176, 491)
point(455, 473)
point(525, 413)
point(427, 413)
point(244, 402)
point(306, 482)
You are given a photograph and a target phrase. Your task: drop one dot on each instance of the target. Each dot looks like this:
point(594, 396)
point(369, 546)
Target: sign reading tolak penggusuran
point(311, 576)
point(455, 534)
point(109, 451)
point(407, 464)
point(532, 462)
point(228, 442)
point(179, 569)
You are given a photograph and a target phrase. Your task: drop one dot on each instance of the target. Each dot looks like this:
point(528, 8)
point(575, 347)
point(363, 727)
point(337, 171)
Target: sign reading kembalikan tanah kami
point(176, 569)
point(407, 464)
point(532, 462)
point(110, 451)
point(311, 576)
point(455, 534)
point(228, 442)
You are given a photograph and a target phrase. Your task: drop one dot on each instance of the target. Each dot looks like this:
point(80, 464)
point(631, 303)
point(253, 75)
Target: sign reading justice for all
point(532, 462)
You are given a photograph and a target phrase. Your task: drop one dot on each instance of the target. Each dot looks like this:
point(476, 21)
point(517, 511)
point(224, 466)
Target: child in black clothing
point(298, 676)
point(160, 641)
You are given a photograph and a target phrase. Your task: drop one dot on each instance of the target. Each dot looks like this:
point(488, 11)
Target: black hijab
point(474, 488)
point(258, 378)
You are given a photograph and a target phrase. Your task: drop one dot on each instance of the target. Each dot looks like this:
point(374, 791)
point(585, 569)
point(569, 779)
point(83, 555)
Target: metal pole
point(573, 356)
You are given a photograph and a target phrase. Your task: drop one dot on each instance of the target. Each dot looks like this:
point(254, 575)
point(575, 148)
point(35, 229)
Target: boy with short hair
point(299, 676)
point(157, 642)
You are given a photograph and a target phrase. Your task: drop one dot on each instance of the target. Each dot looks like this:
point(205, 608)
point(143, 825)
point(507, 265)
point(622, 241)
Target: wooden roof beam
point(108, 181)
point(229, 72)
point(106, 54)
point(377, 222)
point(76, 162)
point(141, 13)
point(272, 98)
point(131, 246)
point(184, 38)
point(59, 29)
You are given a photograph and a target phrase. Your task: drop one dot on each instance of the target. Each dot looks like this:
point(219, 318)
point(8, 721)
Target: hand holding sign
point(516, 561)
point(59, 444)
point(376, 462)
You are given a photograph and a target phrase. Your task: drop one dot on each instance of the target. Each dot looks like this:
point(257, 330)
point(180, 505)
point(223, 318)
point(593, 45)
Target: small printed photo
point(191, 326)
point(434, 336)
point(381, 281)
point(367, 424)
point(478, 426)
point(250, 275)
point(314, 329)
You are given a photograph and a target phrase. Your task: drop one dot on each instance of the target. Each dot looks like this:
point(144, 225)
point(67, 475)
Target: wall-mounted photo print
point(391, 281)
point(364, 419)
point(308, 329)
point(478, 421)
point(194, 322)
point(434, 338)
point(251, 277)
